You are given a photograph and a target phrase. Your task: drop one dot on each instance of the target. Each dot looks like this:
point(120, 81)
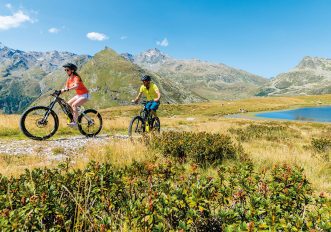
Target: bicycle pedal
point(72, 124)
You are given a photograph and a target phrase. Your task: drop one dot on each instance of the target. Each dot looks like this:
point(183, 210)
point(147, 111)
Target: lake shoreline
point(272, 115)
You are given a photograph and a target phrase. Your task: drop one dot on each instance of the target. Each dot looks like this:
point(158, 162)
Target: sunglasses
point(67, 70)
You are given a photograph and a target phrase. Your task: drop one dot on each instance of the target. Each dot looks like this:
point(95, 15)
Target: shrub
point(321, 144)
point(162, 197)
point(270, 133)
point(322, 147)
point(203, 148)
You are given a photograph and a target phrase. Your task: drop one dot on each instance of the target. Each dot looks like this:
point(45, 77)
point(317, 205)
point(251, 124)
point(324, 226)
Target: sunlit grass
point(9, 127)
point(293, 148)
point(119, 152)
point(14, 165)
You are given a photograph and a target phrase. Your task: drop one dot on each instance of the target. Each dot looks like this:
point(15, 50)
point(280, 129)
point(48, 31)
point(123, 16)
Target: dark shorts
point(152, 105)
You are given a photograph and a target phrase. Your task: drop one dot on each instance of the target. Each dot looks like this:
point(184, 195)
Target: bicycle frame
point(146, 114)
point(66, 108)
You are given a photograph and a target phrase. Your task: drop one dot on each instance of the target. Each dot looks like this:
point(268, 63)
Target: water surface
point(313, 114)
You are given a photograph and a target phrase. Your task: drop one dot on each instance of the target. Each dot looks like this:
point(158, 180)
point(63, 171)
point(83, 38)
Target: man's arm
point(157, 91)
point(137, 98)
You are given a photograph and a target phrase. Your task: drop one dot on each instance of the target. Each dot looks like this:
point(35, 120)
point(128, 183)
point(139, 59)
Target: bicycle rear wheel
point(37, 125)
point(136, 127)
point(89, 123)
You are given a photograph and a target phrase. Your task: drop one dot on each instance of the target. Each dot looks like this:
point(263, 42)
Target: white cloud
point(53, 30)
point(96, 36)
point(123, 37)
point(13, 21)
point(163, 43)
point(8, 6)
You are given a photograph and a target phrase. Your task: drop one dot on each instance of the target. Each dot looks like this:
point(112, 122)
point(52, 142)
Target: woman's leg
point(79, 101)
point(72, 100)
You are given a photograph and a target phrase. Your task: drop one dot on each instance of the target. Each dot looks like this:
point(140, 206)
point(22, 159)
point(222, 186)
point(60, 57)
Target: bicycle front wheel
point(136, 127)
point(39, 123)
point(90, 123)
point(156, 124)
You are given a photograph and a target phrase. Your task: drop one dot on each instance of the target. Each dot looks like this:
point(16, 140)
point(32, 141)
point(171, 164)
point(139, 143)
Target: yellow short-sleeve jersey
point(149, 93)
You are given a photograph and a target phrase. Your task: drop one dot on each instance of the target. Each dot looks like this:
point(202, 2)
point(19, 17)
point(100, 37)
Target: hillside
point(22, 74)
point(211, 81)
point(28, 77)
point(112, 80)
point(311, 76)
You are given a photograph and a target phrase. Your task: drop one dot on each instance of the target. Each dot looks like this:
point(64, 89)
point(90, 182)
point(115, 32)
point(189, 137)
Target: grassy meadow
point(286, 141)
point(266, 143)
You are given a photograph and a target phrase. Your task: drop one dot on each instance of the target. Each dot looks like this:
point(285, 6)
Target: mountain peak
point(154, 51)
point(309, 62)
point(152, 56)
point(128, 56)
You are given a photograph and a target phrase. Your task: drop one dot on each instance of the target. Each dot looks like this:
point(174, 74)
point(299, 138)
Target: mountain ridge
point(25, 76)
point(209, 80)
point(113, 80)
point(21, 75)
point(311, 76)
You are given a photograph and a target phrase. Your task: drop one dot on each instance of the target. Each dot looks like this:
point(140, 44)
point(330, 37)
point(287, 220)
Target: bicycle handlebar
point(56, 93)
point(142, 103)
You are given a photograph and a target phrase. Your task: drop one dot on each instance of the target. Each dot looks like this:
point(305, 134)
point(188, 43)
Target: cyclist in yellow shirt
point(152, 93)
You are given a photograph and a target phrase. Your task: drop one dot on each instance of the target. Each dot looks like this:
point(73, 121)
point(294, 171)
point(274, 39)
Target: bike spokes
point(136, 127)
point(39, 123)
point(90, 123)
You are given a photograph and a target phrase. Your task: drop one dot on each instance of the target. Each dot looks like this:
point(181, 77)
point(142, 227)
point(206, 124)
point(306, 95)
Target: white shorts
point(85, 96)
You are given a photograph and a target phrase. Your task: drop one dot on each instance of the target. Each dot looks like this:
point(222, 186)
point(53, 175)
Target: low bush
point(203, 148)
point(321, 144)
point(153, 196)
point(267, 132)
point(321, 147)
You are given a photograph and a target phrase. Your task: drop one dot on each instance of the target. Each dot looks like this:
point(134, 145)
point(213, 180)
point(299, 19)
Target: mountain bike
point(41, 122)
point(144, 122)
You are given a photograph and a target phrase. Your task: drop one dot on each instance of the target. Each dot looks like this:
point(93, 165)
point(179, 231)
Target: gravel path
point(53, 148)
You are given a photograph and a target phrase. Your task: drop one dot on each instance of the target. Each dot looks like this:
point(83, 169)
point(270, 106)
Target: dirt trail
point(55, 148)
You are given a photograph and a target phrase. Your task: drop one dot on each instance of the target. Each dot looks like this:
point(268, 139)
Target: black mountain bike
point(144, 122)
point(41, 122)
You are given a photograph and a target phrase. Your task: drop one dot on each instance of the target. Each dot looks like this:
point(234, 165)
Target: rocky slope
point(22, 73)
point(28, 77)
point(115, 81)
point(211, 81)
point(311, 76)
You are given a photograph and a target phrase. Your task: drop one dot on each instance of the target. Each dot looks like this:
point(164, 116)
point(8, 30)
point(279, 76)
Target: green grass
point(267, 142)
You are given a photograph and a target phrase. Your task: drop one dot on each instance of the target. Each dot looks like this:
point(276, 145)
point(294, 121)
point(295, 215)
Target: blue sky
point(264, 37)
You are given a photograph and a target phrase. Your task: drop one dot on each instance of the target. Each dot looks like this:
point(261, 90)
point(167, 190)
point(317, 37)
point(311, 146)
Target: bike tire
point(29, 133)
point(96, 117)
point(156, 124)
point(140, 128)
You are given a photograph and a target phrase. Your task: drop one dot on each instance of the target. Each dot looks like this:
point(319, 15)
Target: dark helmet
point(71, 66)
point(146, 78)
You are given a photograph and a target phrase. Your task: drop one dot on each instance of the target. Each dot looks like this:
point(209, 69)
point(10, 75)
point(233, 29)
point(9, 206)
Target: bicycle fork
point(146, 126)
point(47, 113)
